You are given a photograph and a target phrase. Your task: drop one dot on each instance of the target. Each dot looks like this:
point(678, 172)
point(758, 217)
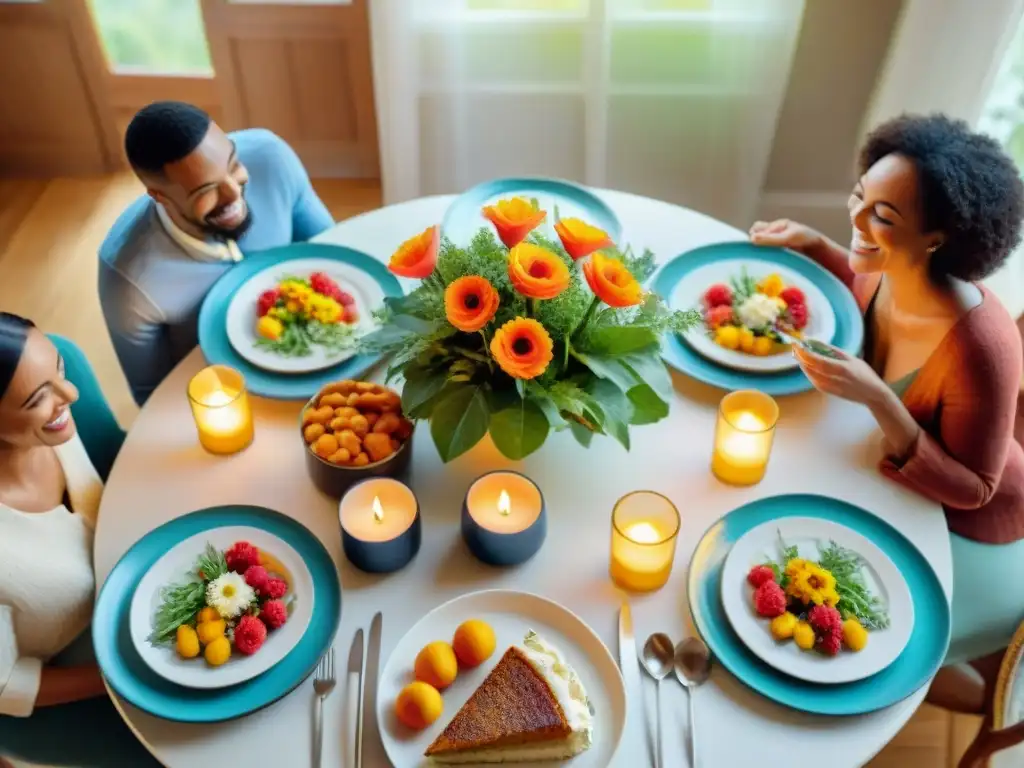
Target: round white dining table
point(823, 445)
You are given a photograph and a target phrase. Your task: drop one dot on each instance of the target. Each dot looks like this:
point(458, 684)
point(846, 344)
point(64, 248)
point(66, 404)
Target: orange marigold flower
point(536, 272)
point(581, 239)
point(470, 302)
point(612, 282)
point(417, 256)
point(514, 219)
point(522, 347)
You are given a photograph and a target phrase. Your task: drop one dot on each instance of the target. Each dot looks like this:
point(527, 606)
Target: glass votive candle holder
point(220, 407)
point(743, 437)
point(645, 526)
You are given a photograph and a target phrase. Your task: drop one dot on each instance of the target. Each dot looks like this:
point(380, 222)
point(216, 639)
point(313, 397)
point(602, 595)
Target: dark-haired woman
point(53, 706)
point(936, 209)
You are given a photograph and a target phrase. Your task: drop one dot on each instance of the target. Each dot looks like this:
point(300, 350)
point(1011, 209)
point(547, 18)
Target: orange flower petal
point(611, 282)
point(470, 302)
point(536, 272)
point(581, 239)
point(417, 256)
point(513, 218)
point(523, 348)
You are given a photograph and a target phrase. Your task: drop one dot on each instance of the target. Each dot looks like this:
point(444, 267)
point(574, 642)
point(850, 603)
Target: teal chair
point(100, 432)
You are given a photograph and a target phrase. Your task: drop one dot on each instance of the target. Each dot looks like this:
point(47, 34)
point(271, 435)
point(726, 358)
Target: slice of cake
point(531, 707)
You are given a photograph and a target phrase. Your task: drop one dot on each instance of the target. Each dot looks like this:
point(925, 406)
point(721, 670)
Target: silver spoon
point(657, 658)
point(692, 666)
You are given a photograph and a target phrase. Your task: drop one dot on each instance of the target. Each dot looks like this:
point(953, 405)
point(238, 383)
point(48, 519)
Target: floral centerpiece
point(519, 335)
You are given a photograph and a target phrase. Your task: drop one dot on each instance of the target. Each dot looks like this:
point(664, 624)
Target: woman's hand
point(784, 233)
point(844, 376)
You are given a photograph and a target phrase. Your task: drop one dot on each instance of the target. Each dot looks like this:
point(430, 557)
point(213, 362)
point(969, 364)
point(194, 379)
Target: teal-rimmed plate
point(213, 333)
point(915, 667)
point(464, 219)
point(139, 685)
point(849, 333)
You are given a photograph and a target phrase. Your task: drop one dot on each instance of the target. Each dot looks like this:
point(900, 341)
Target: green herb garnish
point(181, 602)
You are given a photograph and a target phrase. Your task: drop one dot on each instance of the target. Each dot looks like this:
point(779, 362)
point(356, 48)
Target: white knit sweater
point(46, 580)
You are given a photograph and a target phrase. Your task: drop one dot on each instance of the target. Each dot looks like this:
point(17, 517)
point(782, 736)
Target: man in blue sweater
point(211, 197)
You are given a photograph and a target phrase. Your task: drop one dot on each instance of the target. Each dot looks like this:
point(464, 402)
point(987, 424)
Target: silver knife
point(629, 662)
point(369, 687)
point(354, 689)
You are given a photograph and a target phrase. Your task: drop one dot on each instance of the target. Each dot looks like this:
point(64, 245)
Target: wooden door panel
point(304, 72)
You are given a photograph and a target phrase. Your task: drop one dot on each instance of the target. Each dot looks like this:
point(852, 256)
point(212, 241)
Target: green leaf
point(459, 420)
point(648, 367)
point(540, 396)
point(520, 430)
point(521, 388)
point(583, 435)
point(620, 340)
point(420, 389)
point(648, 407)
point(610, 369)
point(413, 325)
point(615, 407)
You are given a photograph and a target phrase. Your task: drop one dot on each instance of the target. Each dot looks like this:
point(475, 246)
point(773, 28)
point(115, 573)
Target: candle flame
point(643, 533)
point(504, 503)
point(378, 510)
point(749, 422)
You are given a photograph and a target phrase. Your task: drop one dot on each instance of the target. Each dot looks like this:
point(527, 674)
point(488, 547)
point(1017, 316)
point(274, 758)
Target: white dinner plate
point(810, 535)
point(689, 293)
point(242, 317)
point(173, 568)
point(512, 615)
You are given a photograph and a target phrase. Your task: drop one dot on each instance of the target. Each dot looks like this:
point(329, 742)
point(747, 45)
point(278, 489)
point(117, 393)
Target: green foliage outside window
point(165, 36)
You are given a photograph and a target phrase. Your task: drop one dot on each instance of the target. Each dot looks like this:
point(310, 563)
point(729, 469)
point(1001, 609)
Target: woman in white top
point(54, 709)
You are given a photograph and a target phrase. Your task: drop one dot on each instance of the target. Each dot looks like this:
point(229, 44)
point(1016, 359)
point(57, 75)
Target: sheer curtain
point(676, 99)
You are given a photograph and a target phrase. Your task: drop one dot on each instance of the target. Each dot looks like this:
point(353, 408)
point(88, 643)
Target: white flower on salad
point(758, 311)
point(229, 595)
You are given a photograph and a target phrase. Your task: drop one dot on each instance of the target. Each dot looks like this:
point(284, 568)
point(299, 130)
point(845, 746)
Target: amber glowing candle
point(380, 525)
point(743, 437)
point(220, 407)
point(645, 526)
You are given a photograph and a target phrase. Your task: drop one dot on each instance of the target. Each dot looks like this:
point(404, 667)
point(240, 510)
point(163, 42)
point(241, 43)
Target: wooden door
point(303, 71)
point(53, 120)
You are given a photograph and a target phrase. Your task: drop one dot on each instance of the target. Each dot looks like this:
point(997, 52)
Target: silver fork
point(323, 685)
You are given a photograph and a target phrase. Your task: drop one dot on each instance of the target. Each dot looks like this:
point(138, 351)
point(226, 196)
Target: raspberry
point(276, 589)
point(346, 299)
point(798, 315)
point(830, 643)
point(716, 316)
point(759, 574)
point(242, 555)
point(273, 613)
point(770, 600)
point(256, 576)
point(826, 620)
point(350, 315)
point(266, 301)
point(250, 633)
point(792, 295)
point(717, 296)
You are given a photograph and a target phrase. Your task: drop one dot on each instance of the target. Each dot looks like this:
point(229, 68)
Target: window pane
point(158, 36)
point(1003, 115)
point(554, 6)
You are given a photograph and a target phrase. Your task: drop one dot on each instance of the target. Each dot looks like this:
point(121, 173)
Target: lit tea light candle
point(220, 407)
point(380, 525)
point(504, 521)
point(645, 526)
point(743, 437)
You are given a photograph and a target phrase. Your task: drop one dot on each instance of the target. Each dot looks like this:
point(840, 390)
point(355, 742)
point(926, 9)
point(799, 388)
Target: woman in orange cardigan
point(936, 209)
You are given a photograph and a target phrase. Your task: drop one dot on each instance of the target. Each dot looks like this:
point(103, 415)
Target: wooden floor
point(49, 235)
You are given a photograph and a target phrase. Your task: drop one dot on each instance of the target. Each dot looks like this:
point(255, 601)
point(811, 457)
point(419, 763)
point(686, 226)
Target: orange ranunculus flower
point(417, 256)
point(470, 302)
point(522, 347)
point(514, 219)
point(580, 239)
point(612, 282)
point(536, 272)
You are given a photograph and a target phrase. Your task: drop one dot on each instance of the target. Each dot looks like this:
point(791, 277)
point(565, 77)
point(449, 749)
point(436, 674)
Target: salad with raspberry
point(822, 605)
point(300, 313)
point(747, 314)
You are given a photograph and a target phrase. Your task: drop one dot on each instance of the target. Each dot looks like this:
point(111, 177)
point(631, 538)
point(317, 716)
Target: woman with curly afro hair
point(937, 208)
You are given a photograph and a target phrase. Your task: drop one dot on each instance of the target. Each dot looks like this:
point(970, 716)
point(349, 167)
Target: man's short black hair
point(164, 132)
point(969, 189)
